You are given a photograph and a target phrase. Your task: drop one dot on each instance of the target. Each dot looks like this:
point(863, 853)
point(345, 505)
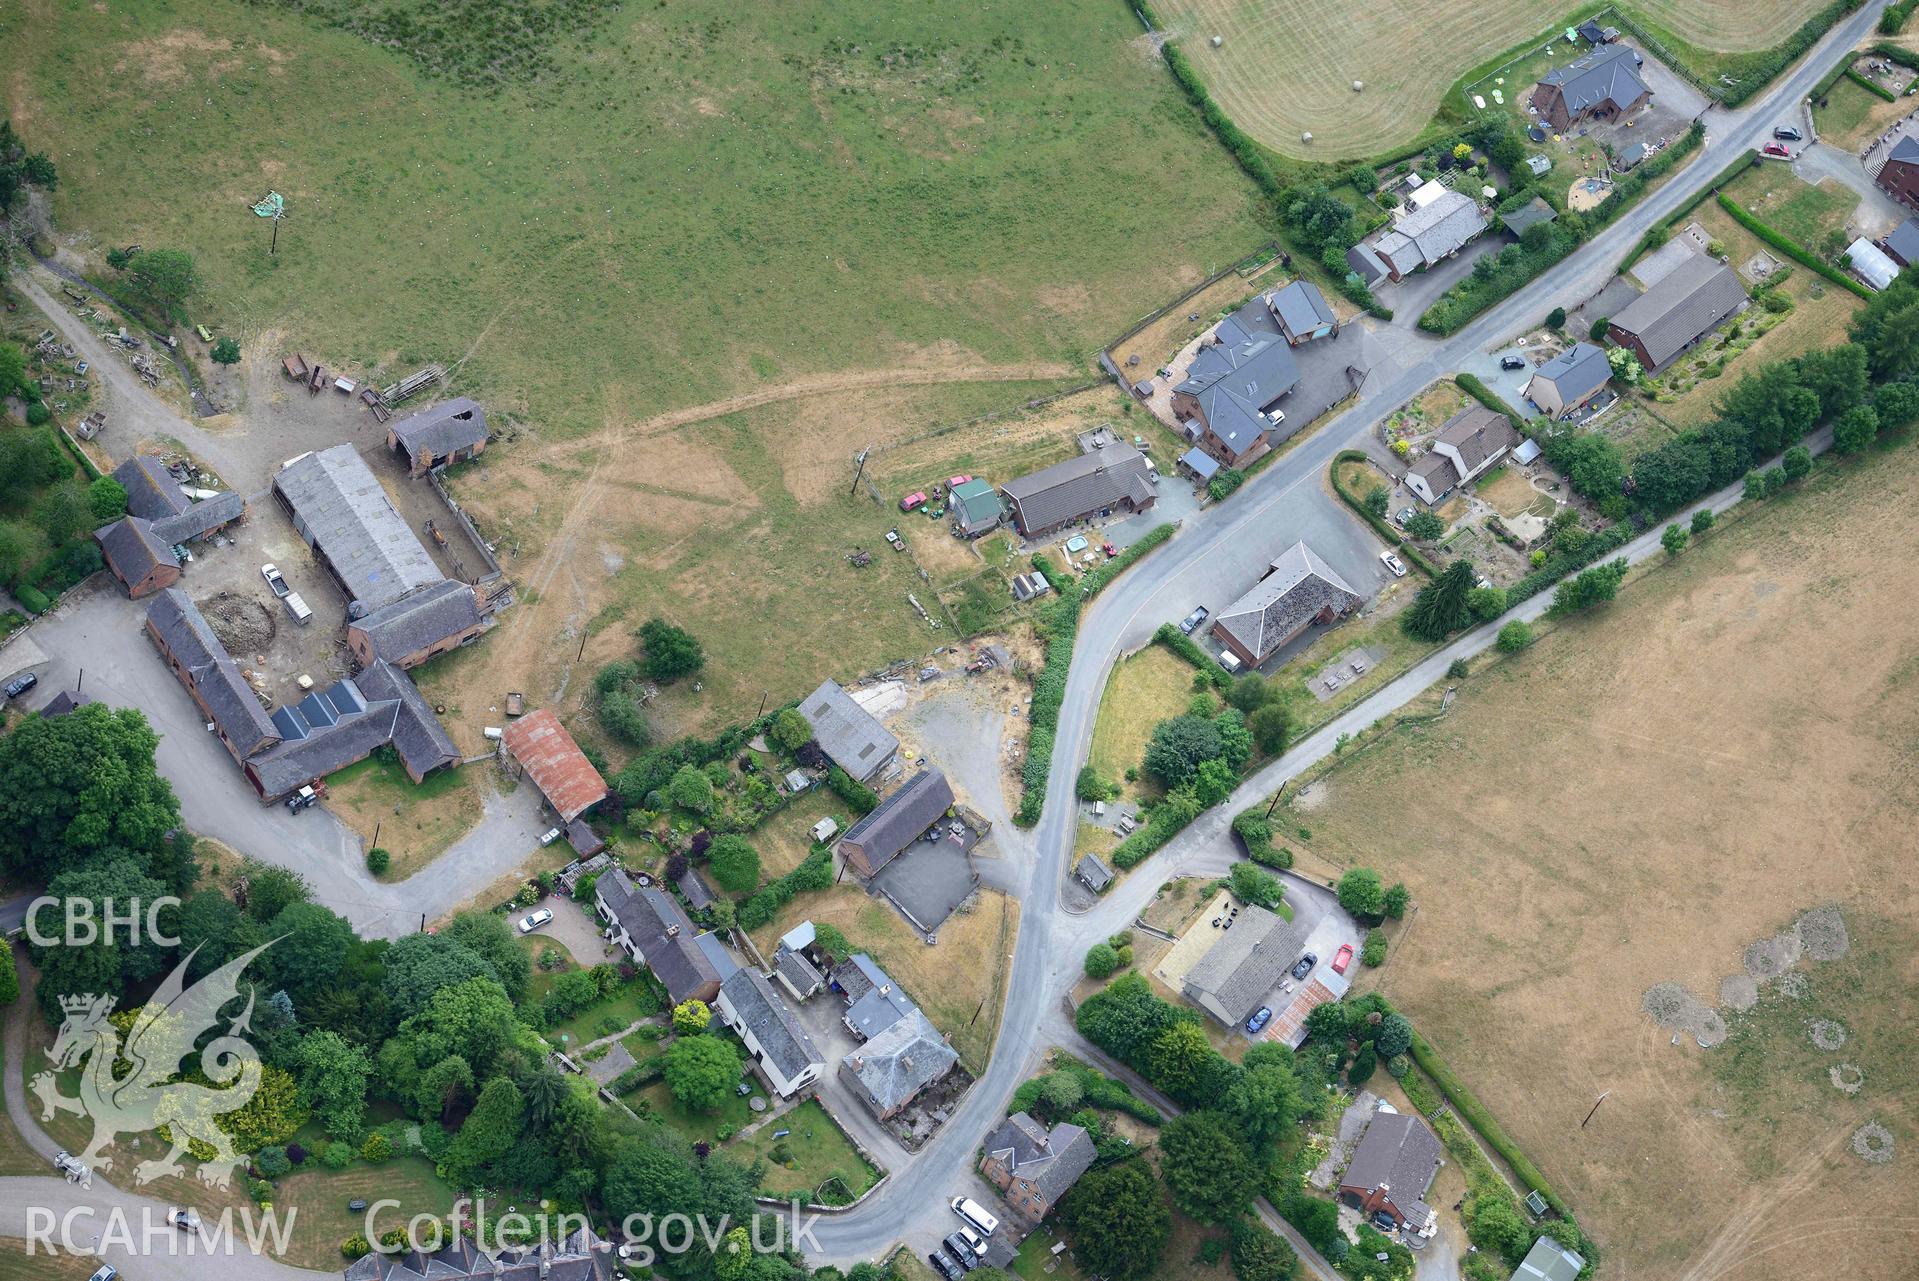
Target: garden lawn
point(318, 1197)
point(1036, 1252)
point(626, 1005)
point(17, 1265)
point(701, 1127)
point(817, 1148)
point(1852, 117)
point(1143, 690)
point(416, 822)
point(1801, 211)
point(787, 837)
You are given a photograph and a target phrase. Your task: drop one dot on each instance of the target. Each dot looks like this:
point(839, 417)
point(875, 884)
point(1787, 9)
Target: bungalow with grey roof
point(1242, 966)
point(450, 432)
point(1032, 1166)
point(1390, 1170)
point(890, 1071)
point(1431, 227)
point(780, 1047)
point(1116, 478)
point(1569, 380)
point(1690, 302)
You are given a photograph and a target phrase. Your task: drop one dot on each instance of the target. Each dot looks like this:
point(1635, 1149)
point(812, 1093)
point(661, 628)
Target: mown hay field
point(1286, 67)
point(1635, 801)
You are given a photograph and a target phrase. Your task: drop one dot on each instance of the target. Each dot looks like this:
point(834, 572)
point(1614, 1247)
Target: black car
point(1384, 1221)
point(962, 1252)
point(1512, 362)
point(945, 1267)
point(1786, 133)
point(21, 684)
point(1304, 965)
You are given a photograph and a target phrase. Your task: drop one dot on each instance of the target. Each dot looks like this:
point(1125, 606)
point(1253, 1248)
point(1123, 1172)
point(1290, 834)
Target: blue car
point(1261, 1017)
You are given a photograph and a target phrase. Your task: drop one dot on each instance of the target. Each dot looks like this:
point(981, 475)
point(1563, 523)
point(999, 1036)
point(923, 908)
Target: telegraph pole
point(859, 458)
point(1595, 1108)
point(1276, 795)
point(273, 246)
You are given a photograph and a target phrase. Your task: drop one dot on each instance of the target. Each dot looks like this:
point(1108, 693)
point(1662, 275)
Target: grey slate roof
point(873, 1001)
point(1577, 372)
point(200, 518)
point(1296, 588)
point(1437, 470)
point(421, 619)
point(1533, 211)
point(418, 736)
point(1237, 378)
point(1549, 1261)
point(719, 955)
point(1696, 296)
point(1397, 1150)
point(902, 818)
point(330, 730)
point(133, 549)
point(901, 1061)
point(759, 1008)
point(1366, 263)
point(1478, 433)
point(1079, 487)
point(797, 970)
point(66, 701)
point(1903, 242)
point(229, 699)
point(1905, 151)
point(847, 732)
point(440, 429)
point(1243, 964)
point(338, 504)
point(1435, 230)
point(152, 492)
point(1302, 308)
point(1094, 874)
point(1608, 75)
point(579, 1257)
point(661, 930)
point(1051, 1160)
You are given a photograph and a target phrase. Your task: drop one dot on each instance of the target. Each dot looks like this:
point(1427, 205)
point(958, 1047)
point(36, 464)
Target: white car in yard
point(534, 920)
point(275, 581)
point(1393, 563)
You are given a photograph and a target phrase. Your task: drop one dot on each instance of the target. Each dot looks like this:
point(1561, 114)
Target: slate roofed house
point(873, 1001)
point(201, 663)
point(1115, 478)
point(1871, 263)
point(1430, 233)
point(975, 507)
point(559, 768)
point(439, 617)
point(896, 822)
point(1570, 379)
point(1603, 85)
point(1297, 590)
point(779, 1045)
point(796, 974)
point(1032, 1166)
point(1678, 311)
point(1390, 1170)
point(1471, 441)
point(1366, 262)
point(1902, 242)
point(1898, 176)
point(341, 512)
point(65, 701)
point(1549, 1261)
point(1303, 313)
point(1092, 873)
point(579, 1257)
point(139, 558)
point(1238, 376)
point(889, 1071)
point(1242, 966)
point(450, 432)
point(655, 931)
point(152, 492)
point(725, 962)
point(851, 736)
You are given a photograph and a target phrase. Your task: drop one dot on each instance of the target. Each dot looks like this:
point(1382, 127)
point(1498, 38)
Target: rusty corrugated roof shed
point(559, 768)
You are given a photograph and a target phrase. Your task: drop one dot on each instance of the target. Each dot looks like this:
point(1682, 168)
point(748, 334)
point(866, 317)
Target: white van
point(298, 608)
point(974, 1213)
point(1230, 661)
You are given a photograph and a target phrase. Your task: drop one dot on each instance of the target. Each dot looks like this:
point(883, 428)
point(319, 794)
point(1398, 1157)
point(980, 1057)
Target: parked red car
point(952, 481)
point(1110, 550)
point(1777, 150)
point(912, 500)
point(1343, 958)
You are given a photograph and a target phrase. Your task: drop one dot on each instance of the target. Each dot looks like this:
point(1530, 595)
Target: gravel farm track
point(1286, 67)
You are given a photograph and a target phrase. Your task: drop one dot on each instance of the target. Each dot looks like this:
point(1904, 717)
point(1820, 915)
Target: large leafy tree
point(109, 961)
point(165, 277)
point(1179, 1059)
point(1361, 893)
point(472, 1019)
point(489, 936)
point(701, 1070)
point(735, 863)
point(671, 652)
point(1592, 587)
point(333, 1079)
point(419, 965)
point(1259, 1255)
point(1888, 328)
point(1264, 1103)
point(215, 930)
point(311, 949)
point(490, 1130)
point(1119, 1220)
point(1207, 1168)
point(1177, 747)
point(83, 787)
point(1126, 1018)
point(1443, 606)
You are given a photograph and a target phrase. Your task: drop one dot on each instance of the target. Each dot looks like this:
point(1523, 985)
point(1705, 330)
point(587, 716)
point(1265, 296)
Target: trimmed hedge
point(1606, 541)
point(1380, 527)
point(1059, 624)
point(1871, 86)
point(1766, 64)
point(1097, 1090)
point(1479, 391)
point(1894, 19)
point(1187, 648)
point(1472, 296)
point(1475, 1114)
point(1162, 827)
point(1633, 185)
point(1789, 247)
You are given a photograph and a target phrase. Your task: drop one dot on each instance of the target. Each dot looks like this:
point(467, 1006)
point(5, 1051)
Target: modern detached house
point(1471, 442)
point(1569, 380)
point(1032, 1166)
point(1391, 1169)
point(1604, 85)
point(1116, 478)
point(1230, 397)
point(1664, 322)
point(1434, 224)
point(1898, 176)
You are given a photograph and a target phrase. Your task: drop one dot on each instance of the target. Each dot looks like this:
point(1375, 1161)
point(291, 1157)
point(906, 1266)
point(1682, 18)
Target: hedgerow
point(1790, 247)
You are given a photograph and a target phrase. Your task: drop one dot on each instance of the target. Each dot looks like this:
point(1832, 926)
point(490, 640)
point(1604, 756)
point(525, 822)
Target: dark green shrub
point(377, 860)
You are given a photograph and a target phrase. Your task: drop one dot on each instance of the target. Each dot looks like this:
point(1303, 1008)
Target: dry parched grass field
point(1286, 67)
point(1637, 800)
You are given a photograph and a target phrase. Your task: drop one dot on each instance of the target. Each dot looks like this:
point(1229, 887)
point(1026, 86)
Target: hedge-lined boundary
point(1833, 77)
point(1894, 19)
point(1474, 1113)
point(1789, 247)
point(1662, 232)
point(1769, 63)
point(1479, 391)
point(1380, 527)
point(1187, 648)
point(1059, 624)
point(1871, 86)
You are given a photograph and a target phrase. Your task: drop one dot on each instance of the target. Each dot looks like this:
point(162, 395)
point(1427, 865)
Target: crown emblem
point(82, 1003)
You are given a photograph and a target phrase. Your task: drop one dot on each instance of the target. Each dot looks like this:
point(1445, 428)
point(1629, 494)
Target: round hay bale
point(1359, 86)
point(1306, 137)
point(1218, 41)
point(1769, 958)
point(1827, 1034)
point(1873, 1142)
point(1738, 992)
point(1823, 933)
point(1847, 1077)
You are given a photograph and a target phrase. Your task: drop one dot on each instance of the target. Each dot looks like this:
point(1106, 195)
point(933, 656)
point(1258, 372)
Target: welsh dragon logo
point(130, 1088)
